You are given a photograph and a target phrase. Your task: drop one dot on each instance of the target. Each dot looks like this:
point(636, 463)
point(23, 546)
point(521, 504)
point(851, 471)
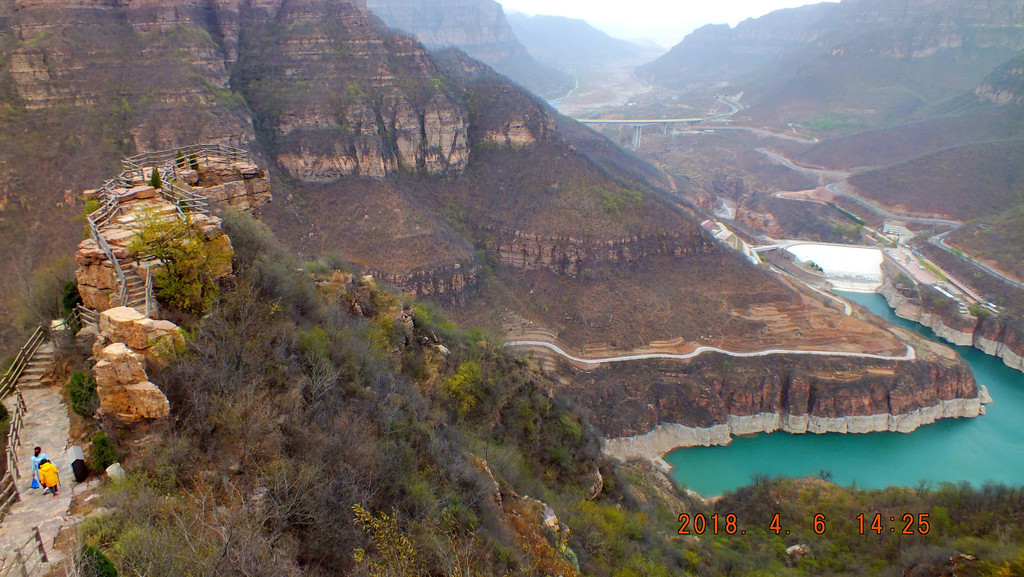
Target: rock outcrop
point(443, 281)
point(362, 102)
point(1000, 336)
point(128, 342)
point(1005, 85)
point(572, 256)
point(238, 185)
point(650, 407)
point(1003, 338)
point(96, 276)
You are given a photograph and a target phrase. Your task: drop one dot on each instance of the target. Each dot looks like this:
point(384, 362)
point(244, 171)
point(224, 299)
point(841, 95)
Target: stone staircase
point(47, 425)
point(36, 367)
point(134, 276)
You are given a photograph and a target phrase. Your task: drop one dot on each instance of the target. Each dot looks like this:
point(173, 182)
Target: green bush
point(188, 280)
point(463, 388)
point(154, 179)
point(82, 392)
point(93, 563)
point(70, 298)
point(104, 453)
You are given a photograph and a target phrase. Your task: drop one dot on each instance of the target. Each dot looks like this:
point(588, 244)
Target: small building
point(898, 228)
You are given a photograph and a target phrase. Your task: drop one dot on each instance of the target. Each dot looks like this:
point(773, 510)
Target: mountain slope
point(569, 43)
point(478, 27)
point(873, 59)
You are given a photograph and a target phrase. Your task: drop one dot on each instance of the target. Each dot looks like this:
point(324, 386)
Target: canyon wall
point(570, 256)
point(648, 407)
point(669, 436)
point(999, 336)
point(479, 28)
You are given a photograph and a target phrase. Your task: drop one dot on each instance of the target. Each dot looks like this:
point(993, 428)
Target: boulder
point(137, 193)
point(116, 471)
point(129, 326)
point(119, 325)
point(86, 337)
point(119, 365)
point(133, 403)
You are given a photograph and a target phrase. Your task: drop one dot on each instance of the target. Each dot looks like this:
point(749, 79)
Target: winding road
point(938, 240)
point(910, 355)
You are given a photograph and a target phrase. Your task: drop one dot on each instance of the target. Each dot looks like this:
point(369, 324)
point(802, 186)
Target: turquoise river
point(986, 448)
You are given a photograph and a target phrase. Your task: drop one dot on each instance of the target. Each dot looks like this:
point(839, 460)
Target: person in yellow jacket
point(48, 476)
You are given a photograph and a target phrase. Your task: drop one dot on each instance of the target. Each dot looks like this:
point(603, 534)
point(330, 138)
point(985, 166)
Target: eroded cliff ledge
point(649, 407)
point(1000, 336)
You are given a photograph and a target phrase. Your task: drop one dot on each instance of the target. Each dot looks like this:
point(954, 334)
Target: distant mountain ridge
point(849, 42)
point(479, 28)
point(569, 43)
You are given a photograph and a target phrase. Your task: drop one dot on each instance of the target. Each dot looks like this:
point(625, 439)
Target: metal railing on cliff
point(168, 163)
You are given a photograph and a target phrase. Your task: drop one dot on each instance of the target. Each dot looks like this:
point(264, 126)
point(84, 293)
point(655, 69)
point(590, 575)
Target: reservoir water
point(986, 448)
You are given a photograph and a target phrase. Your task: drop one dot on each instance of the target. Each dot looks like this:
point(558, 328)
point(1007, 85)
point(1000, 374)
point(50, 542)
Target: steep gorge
point(436, 175)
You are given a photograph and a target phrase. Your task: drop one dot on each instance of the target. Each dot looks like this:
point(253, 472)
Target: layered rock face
point(652, 407)
point(1005, 85)
point(343, 97)
point(999, 336)
point(442, 281)
point(238, 185)
point(1003, 338)
point(462, 23)
point(186, 101)
point(572, 256)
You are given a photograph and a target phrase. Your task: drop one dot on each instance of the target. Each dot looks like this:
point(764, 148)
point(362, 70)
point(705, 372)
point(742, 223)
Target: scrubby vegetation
point(81, 389)
point(104, 453)
point(323, 426)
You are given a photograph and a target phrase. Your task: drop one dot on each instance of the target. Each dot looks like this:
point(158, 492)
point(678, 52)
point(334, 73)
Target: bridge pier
point(638, 131)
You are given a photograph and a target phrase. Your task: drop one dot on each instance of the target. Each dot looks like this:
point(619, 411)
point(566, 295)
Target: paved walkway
point(47, 425)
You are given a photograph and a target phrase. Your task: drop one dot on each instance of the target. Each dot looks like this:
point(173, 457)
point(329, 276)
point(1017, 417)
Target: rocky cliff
point(478, 27)
point(339, 95)
point(1005, 84)
point(662, 404)
point(1000, 336)
point(571, 256)
point(1003, 338)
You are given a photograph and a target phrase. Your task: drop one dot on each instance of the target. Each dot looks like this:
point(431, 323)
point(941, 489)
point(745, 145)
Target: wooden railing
point(9, 384)
point(17, 564)
point(88, 316)
point(150, 301)
point(184, 201)
point(10, 378)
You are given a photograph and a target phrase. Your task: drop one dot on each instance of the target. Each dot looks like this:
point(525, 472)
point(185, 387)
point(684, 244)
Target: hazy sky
point(665, 21)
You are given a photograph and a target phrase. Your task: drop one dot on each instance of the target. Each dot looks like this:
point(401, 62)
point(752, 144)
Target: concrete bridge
point(639, 123)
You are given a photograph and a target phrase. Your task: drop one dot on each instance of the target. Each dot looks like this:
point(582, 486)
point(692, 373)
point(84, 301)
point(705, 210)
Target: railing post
point(42, 549)
point(19, 560)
